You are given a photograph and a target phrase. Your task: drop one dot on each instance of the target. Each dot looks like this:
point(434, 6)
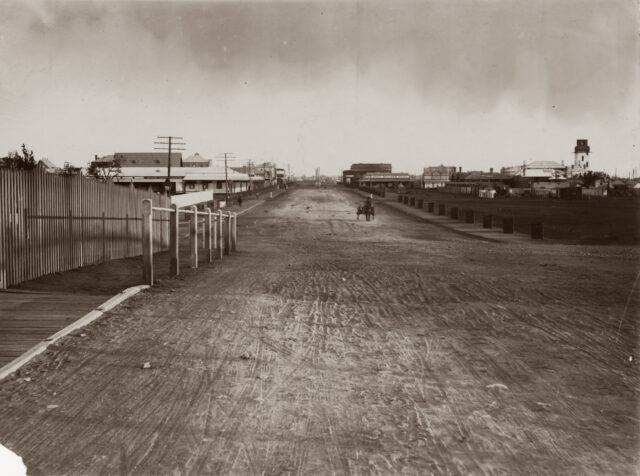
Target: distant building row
point(192, 174)
point(374, 175)
point(523, 175)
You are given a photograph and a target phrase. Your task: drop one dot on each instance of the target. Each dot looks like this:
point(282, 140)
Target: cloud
point(316, 81)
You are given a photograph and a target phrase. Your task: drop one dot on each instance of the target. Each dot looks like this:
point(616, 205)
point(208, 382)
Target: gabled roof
point(544, 164)
point(213, 173)
point(479, 175)
point(148, 159)
point(185, 173)
point(439, 168)
point(47, 163)
point(196, 158)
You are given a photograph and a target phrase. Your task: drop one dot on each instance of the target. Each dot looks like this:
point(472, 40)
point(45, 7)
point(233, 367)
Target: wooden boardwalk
point(29, 317)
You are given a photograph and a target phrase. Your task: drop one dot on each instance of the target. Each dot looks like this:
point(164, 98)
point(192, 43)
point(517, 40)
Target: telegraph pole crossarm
point(168, 143)
point(226, 156)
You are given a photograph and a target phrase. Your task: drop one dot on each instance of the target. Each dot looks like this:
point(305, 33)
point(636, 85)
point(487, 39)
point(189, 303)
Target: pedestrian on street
point(239, 201)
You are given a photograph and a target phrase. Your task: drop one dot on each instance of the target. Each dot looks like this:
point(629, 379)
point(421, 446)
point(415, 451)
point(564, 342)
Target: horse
point(367, 210)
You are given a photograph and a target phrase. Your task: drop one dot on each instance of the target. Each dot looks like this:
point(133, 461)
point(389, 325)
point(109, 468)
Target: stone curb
point(83, 321)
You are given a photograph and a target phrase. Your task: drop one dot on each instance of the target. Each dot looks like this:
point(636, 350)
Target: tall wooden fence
point(51, 223)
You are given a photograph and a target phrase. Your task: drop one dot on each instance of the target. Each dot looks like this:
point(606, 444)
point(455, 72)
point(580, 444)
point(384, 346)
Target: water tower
point(581, 154)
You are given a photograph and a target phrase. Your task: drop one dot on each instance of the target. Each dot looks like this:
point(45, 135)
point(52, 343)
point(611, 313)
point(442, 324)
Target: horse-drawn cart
point(367, 210)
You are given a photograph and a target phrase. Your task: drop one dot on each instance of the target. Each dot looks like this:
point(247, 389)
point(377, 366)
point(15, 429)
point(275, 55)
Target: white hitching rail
point(218, 233)
point(193, 198)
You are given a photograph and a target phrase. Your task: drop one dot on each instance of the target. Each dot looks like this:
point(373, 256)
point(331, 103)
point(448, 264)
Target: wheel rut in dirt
point(330, 345)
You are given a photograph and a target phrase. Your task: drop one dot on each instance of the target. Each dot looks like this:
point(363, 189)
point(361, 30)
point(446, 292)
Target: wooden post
point(507, 225)
point(147, 242)
point(207, 235)
point(469, 215)
point(214, 232)
point(193, 235)
point(537, 231)
point(221, 226)
point(174, 241)
point(204, 232)
point(233, 233)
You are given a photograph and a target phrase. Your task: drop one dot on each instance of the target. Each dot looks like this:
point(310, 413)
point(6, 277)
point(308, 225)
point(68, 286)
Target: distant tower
point(581, 154)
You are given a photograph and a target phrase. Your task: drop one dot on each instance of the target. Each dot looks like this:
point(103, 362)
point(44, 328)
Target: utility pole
point(226, 155)
point(167, 143)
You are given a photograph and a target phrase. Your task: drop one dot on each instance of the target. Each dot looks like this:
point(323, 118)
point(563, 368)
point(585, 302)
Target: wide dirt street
point(330, 345)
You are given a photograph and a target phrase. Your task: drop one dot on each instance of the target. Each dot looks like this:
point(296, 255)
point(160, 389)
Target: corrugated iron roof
point(147, 159)
point(186, 173)
point(544, 164)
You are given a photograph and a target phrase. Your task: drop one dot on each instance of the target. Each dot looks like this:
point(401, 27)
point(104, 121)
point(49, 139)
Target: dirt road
point(330, 345)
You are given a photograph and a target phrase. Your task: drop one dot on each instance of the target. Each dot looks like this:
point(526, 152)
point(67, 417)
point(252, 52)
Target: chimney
point(459, 169)
point(491, 170)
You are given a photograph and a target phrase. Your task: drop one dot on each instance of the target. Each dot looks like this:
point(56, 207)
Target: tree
point(105, 170)
point(590, 178)
point(26, 161)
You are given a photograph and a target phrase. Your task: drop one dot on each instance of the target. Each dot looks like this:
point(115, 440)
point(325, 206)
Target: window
point(157, 161)
point(205, 186)
point(218, 184)
point(191, 186)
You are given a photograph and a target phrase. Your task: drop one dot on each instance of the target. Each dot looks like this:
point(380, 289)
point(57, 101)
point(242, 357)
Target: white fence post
point(234, 235)
point(214, 232)
point(221, 226)
point(207, 235)
point(227, 248)
point(174, 241)
point(193, 236)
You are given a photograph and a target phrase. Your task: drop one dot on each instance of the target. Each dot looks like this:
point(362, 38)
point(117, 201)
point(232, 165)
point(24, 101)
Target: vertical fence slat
point(51, 223)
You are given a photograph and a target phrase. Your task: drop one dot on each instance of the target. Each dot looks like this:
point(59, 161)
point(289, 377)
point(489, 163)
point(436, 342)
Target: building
point(479, 183)
point(264, 174)
point(144, 159)
point(434, 177)
point(355, 174)
point(186, 179)
point(196, 160)
point(386, 180)
point(541, 170)
point(213, 178)
point(581, 158)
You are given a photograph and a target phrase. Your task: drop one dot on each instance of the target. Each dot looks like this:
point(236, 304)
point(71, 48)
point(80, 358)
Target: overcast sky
point(477, 84)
